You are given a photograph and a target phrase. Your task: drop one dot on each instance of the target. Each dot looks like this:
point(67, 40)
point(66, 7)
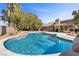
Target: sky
point(48, 12)
point(2, 6)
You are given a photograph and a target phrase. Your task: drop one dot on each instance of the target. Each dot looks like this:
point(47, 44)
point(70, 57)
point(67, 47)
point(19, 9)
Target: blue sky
point(48, 12)
point(2, 6)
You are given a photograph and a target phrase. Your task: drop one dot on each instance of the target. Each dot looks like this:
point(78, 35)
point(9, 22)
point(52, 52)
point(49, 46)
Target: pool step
point(44, 44)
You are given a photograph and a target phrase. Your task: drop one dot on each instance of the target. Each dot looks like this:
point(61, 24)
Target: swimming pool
point(38, 44)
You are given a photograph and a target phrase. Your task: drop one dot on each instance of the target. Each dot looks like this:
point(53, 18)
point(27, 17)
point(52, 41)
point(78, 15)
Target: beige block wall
point(11, 29)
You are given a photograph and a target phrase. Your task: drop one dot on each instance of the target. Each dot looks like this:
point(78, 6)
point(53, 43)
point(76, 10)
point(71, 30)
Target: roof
point(67, 21)
point(2, 23)
point(64, 21)
point(49, 24)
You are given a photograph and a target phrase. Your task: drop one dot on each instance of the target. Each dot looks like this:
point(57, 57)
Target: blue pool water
point(38, 44)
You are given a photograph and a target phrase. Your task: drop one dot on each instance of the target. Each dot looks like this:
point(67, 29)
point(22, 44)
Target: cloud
point(40, 9)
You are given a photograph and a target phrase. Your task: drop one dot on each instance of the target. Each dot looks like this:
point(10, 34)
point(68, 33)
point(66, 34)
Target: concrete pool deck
point(73, 52)
point(6, 52)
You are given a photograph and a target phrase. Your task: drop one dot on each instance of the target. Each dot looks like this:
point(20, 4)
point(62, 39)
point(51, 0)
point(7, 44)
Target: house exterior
point(61, 26)
point(3, 26)
point(2, 30)
point(5, 29)
point(48, 27)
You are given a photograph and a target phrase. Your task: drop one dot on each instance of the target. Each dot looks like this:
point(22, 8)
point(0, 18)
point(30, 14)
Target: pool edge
point(5, 51)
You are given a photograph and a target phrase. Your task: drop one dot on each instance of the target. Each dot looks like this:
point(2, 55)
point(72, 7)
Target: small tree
point(20, 19)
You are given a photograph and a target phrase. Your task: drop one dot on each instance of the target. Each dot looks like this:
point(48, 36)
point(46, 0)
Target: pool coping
point(5, 51)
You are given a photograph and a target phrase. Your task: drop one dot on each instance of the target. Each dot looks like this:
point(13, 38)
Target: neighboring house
point(2, 30)
point(61, 26)
point(3, 26)
point(5, 29)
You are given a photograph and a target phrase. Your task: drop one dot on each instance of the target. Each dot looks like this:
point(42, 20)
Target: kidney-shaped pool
point(38, 44)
